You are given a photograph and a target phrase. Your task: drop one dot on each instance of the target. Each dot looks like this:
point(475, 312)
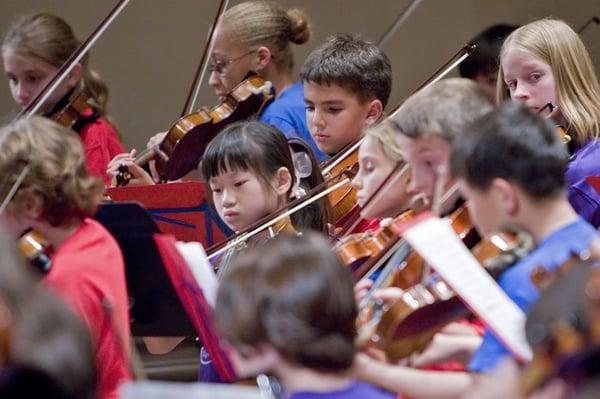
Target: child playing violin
point(253, 36)
point(33, 50)
point(250, 170)
point(347, 83)
point(425, 127)
point(546, 62)
point(287, 309)
point(378, 156)
point(56, 197)
point(510, 166)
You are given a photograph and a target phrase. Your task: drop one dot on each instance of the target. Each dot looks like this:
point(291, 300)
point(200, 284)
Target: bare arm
point(414, 383)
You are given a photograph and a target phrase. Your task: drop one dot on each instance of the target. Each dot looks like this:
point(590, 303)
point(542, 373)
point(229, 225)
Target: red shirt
point(101, 143)
point(89, 274)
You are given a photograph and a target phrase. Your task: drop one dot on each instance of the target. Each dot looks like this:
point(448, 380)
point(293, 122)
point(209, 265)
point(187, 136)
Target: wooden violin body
point(409, 323)
point(36, 250)
point(183, 146)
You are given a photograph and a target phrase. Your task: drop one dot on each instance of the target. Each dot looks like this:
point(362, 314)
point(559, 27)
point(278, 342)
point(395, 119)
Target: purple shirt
point(584, 199)
point(356, 390)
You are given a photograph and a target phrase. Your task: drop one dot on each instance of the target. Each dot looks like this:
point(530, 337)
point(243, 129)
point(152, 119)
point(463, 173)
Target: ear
point(75, 75)
point(250, 361)
point(32, 207)
point(282, 181)
point(374, 112)
point(263, 58)
point(505, 197)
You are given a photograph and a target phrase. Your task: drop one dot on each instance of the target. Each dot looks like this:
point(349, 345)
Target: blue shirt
point(551, 252)
point(356, 390)
point(288, 113)
point(582, 196)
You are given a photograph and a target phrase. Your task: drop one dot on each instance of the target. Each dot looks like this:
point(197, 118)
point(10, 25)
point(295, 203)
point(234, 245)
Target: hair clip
point(302, 169)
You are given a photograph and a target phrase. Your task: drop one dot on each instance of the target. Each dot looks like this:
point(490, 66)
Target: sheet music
point(436, 242)
point(171, 390)
point(195, 256)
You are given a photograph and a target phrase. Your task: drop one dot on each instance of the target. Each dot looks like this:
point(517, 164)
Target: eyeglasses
point(219, 66)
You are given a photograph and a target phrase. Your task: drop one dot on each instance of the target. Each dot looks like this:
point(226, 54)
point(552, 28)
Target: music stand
point(155, 309)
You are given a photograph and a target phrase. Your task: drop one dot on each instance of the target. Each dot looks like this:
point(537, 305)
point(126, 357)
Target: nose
point(520, 93)
point(227, 199)
point(22, 94)
point(317, 119)
point(213, 79)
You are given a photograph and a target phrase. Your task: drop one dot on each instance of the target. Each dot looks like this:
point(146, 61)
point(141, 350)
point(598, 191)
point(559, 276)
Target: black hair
point(353, 64)
point(262, 149)
point(485, 58)
point(514, 144)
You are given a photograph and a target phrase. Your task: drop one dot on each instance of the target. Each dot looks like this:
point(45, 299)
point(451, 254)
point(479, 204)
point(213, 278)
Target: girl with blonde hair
point(546, 62)
point(33, 50)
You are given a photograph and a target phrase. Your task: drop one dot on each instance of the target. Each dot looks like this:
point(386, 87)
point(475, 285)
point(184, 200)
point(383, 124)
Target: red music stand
point(194, 302)
point(178, 208)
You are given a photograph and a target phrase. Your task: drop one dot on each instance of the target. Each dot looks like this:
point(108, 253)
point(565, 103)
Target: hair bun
point(300, 28)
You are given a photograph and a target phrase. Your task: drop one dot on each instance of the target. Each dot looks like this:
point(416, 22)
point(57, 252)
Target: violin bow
point(70, 63)
point(192, 96)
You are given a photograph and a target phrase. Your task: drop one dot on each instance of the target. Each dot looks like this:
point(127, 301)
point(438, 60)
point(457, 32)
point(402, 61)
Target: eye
point(511, 84)
point(534, 77)
point(215, 189)
point(240, 183)
point(309, 107)
point(334, 110)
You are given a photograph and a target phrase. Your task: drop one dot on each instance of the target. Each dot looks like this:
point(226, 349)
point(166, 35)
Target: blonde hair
point(444, 109)
point(57, 170)
point(384, 135)
point(50, 39)
point(577, 88)
point(264, 23)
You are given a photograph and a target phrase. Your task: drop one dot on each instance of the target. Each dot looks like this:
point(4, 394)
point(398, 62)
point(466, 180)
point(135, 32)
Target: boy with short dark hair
point(347, 83)
point(511, 168)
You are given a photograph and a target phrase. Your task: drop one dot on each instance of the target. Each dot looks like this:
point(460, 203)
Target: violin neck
point(145, 156)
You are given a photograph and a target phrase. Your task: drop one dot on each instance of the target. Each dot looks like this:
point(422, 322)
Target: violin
point(343, 201)
point(408, 324)
point(181, 149)
point(563, 326)
point(37, 250)
point(354, 249)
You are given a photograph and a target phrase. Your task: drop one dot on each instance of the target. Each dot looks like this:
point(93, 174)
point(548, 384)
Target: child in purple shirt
point(288, 309)
point(546, 62)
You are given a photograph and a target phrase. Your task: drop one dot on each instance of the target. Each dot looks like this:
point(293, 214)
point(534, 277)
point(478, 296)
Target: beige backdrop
point(149, 55)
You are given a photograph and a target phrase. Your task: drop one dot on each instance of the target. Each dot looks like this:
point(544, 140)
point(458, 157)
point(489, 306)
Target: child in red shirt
point(56, 198)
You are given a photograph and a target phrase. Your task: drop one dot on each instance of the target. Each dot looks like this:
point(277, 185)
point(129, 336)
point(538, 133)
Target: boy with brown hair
point(288, 309)
point(347, 83)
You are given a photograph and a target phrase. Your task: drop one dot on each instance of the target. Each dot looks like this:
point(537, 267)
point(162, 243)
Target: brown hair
point(445, 109)
point(264, 23)
point(352, 63)
point(577, 88)
point(293, 294)
point(58, 174)
point(50, 39)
